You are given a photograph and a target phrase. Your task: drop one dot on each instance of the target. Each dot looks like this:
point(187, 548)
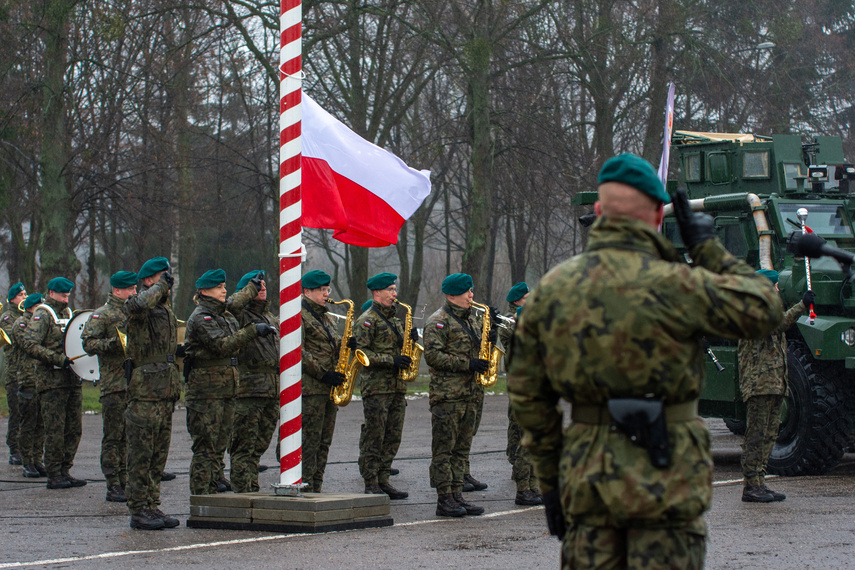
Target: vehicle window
point(791, 172)
point(693, 167)
point(823, 219)
point(719, 171)
point(755, 164)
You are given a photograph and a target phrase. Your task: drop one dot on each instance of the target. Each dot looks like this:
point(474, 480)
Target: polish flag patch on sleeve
point(96, 316)
point(37, 318)
point(206, 318)
point(440, 326)
point(367, 324)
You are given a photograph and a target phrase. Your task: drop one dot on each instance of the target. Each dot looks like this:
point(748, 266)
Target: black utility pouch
point(128, 366)
point(643, 421)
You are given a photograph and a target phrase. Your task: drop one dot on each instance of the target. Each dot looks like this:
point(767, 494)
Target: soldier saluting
point(616, 331)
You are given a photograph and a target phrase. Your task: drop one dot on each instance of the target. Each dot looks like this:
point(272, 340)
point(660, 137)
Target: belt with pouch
point(216, 362)
point(155, 359)
point(596, 414)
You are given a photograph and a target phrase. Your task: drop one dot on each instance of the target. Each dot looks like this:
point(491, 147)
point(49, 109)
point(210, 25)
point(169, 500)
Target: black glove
point(494, 314)
point(67, 363)
point(181, 351)
point(167, 277)
point(264, 329)
point(808, 298)
point(695, 227)
point(259, 277)
point(351, 343)
point(478, 365)
point(494, 335)
point(333, 378)
point(554, 514)
point(414, 334)
point(402, 362)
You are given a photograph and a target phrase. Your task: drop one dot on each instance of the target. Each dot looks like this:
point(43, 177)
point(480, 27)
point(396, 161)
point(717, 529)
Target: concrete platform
point(309, 513)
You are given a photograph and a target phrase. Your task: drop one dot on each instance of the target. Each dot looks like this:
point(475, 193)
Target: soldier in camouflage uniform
point(31, 437)
point(60, 394)
point(617, 332)
point(452, 342)
point(257, 395)
point(153, 388)
point(763, 383)
point(10, 314)
point(380, 335)
point(214, 339)
point(101, 336)
point(522, 470)
point(320, 351)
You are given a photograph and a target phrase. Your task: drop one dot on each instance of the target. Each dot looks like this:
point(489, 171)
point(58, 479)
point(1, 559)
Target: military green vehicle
point(759, 190)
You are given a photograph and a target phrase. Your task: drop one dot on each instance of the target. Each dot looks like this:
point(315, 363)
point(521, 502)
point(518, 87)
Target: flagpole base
point(288, 490)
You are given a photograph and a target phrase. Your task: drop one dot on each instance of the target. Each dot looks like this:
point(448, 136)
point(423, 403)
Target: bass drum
point(82, 364)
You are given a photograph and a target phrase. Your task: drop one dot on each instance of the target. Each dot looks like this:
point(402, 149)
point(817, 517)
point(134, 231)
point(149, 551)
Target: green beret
point(771, 274)
point(245, 279)
point(123, 279)
point(33, 300)
point(367, 305)
point(456, 284)
point(60, 285)
point(517, 292)
point(211, 278)
point(314, 279)
point(152, 266)
point(636, 172)
point(381, 281)
point(14, 290)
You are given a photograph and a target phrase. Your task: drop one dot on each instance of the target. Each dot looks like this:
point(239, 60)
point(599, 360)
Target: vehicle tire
point(814, 428)
point(736, 427)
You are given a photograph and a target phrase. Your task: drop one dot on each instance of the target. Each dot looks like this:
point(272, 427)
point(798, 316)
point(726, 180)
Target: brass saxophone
point(411, 348)
point(341, 395)
point(489, 351)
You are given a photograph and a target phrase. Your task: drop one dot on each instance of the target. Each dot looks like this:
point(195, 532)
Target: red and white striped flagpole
point(290, 249)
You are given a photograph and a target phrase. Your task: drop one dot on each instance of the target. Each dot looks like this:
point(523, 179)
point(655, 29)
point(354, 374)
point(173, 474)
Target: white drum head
point(83, 365)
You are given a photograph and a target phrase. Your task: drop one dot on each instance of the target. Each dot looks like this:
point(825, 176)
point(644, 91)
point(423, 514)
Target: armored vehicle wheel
point(814, 425)
point(736, 427)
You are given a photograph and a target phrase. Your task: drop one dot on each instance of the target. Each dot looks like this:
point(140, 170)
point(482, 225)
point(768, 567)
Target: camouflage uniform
point(60, 395)
point(763, 383)
point(624, 320)
point(10, 379)
point(214, 339)
point(383, 392)
point(453, 393)
point(152, 392)
point(31, 437)
point(320, 351)
point(100, 337)
point(257, 396)
point(522, 470)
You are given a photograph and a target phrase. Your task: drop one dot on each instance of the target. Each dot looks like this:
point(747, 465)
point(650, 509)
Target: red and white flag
point(361, 191)
point(669, 132)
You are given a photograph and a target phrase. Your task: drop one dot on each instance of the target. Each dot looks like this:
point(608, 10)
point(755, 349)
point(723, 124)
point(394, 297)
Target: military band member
point(100, 336)
point(214, 339)
point(10, 314)
point(153, 389)
point(60, 393)
point(452, 342)
point(617, 331)
point(31, 436)
point(257, 395)
point(380, 334)
point(522, 471)
point(320, 352)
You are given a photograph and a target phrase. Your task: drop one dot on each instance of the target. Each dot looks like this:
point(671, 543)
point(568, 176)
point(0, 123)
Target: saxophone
point(341, 395)
point(411, 348)
point(489, 351)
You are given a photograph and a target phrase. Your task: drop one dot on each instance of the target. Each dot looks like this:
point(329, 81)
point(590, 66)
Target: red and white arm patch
point(440, 325)
point(206, 318)
point(367, 323)
point(96, 316)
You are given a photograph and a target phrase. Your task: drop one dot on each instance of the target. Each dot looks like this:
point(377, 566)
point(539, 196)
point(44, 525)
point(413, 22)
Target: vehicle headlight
point(848, 336)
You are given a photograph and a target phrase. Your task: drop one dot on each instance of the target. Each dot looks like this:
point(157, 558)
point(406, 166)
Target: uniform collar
point(458, 311)
point(315, 306)
point(385, 311)
point(55, 305)
point(628, 233)
point(213, 305)
point(114, 301)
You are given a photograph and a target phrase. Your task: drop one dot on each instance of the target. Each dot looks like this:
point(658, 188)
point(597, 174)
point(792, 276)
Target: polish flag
point(361, 191)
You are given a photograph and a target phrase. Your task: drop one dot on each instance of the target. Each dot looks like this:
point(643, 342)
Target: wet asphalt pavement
point(77, 528)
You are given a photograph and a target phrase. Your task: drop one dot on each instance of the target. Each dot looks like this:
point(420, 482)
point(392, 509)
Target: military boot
point(528, 498)
point(756, 494)
point(168, 521)
point(167, 476)
point(74, 481)
point(393, 471)
point(58, 483)
point(373, 489)
point(472, 510)
point(446, 506)
point(31, 472)
point(262, 468)
point(41, 469)
point(775, 494)
point(115, 494)
point(146, 520)
point(223, 485)
point(476, 484)
point(15, 459)
point(393, 493)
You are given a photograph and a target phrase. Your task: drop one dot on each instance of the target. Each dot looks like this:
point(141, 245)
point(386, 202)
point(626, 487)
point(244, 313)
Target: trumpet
point(503, 321)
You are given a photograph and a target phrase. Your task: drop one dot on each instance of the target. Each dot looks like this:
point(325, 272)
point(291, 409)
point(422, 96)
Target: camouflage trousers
point(605, 548)
point(114, 443)
point(13, 429)
point(763, 417)
point(31, 436)
point(319, 414)
point(207, 422)
point(255, 422)
point(452, 429)
point(62, 412)
point(380, 435)
point(148, 427)
point(478, 401)
point(522, 470)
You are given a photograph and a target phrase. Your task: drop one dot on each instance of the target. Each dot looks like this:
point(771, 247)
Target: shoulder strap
point(319, 319)
point(390, 325)
point(463, 324)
